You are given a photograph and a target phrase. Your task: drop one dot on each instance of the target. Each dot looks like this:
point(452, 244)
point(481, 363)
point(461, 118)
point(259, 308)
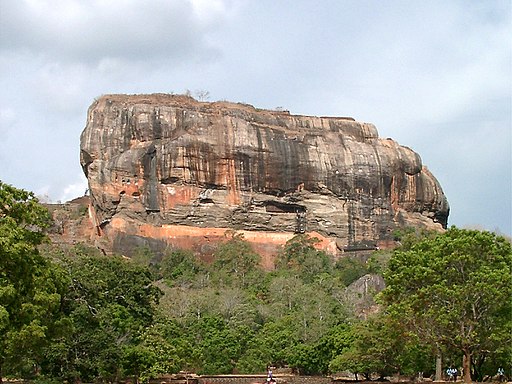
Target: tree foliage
point(300, 256)
point(179, 268)
point(236, 260)
point(110, 302)
point(76, 315)
point(453, 291)
point(380, 346)
point(30, 287)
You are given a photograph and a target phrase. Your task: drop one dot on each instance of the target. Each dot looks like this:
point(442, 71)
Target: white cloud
point(7, 120)
point(96, 30)
point(209, 11)
point(60, 87)
point(74, 190)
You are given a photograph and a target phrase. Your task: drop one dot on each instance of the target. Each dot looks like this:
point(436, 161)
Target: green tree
point(350, 269)
point(179, 268)
point(237, 260)
point(110, 301)
point(215, 347)
point(378, 346)
point(158, 350)
point(453, 291)
point(300, 256)
point(30, 286)
point(144, 256)
point(276, 342)
point(315, 358)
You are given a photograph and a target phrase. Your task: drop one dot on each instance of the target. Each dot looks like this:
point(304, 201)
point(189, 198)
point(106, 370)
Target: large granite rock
point(182, 172)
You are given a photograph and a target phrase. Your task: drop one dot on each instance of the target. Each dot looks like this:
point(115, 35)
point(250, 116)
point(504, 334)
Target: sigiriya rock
point(167, 170)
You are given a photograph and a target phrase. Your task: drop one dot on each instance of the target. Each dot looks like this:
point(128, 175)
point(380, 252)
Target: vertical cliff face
point(183, 172)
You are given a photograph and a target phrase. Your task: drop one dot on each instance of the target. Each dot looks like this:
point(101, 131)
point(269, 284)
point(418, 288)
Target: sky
point(435, 76)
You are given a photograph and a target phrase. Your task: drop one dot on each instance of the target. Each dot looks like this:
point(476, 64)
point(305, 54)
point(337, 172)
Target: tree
point(378, 347)
point(300, 256)
point(236, 259)
point(156, 352)
point(276, 342)
point(30, 286)
point(453, 291)
point(179, 268)
point(214, 346)
point(109, 301)
point(350, 269)
point(315, 358)
point(202, 94)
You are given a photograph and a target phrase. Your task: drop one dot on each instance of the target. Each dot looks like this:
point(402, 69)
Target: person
point(449, 372)
point(501, 374)
point(455, 373)
point(269, 375)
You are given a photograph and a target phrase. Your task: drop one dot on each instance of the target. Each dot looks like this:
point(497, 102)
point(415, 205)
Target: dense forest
point(72, 313)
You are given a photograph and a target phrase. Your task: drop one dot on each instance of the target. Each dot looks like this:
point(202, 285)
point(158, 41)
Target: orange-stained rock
point(203, 240)
point(167, 170)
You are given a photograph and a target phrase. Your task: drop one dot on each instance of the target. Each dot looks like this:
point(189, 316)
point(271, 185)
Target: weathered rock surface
point(71, 222)
point(360, 295)
point(182, 172)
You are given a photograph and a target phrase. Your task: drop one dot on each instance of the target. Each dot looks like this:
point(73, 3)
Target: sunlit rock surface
point(173, 171)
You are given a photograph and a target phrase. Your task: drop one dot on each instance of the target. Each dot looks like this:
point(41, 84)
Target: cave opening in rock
point(279, 207)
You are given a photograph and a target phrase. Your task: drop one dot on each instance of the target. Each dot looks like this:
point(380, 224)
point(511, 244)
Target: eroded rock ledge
point(178, 171)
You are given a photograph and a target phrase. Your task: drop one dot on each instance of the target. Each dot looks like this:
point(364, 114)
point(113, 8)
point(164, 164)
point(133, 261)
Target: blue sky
point(435, 76)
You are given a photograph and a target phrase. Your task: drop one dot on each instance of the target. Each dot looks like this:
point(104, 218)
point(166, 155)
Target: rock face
point(360, 295)
point(180, 172)
point(71, 224)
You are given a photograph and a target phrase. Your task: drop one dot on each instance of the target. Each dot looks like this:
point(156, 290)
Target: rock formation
point(360, 295)
point(175, 171)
